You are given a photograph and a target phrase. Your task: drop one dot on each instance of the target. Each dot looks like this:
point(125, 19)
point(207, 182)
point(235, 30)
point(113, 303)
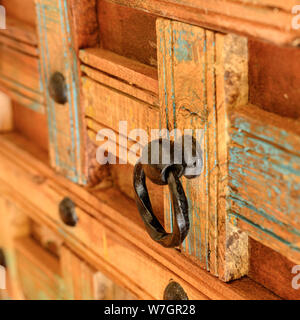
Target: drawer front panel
point(19, 56)
point(264, 178)
point(94, 238)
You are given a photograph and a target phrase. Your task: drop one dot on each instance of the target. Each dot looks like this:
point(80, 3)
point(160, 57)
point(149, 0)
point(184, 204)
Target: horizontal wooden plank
point(22, 10)
point(19, 45)
point(128, 70)
point(19, 73)
point(20, 31)
point(270, 21)
point(116, 227)
point(108, 107)
point(264, 259)
point(110, 81)
point(18, 97)
point(264, 175)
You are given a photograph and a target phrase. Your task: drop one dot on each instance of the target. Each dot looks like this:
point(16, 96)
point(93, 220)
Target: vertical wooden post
point(59, 54)
point(202, 74)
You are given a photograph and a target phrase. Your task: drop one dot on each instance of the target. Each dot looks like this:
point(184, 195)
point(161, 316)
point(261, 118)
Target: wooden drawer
point(20, 77)
point(19, 56)
point(157, 65)
point(38, 273)
point(108, 232)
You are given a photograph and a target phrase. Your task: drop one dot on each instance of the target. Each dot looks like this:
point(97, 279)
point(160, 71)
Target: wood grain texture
point(19, 75)
point(126, 254)
point(128, 32)
point(270, 22)
point(105, 107)
point(274, 78)
point(83, 14)
point(38, 271)
point(20, 31)
point(58, 54)
point(131, 71)
point(272, 270)
point(19, 45)
point(13, 224)
point(264, 178)
point(83, 282)
point(121, 85)
point(78, 276)
point(23, 118)
point(6, 115)
point(203, 74)
point(21, 10)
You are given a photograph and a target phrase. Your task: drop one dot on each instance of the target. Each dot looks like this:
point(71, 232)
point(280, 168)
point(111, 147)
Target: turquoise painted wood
point(58, 54)
point(201, 75)
point(264, 172)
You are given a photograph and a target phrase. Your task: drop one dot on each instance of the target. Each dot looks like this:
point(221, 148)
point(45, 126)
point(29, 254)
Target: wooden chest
point(86, 85)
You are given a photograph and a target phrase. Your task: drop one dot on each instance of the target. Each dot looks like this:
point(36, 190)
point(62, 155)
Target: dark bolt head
point(174, 291)
point(58, 88)
point(67, 212)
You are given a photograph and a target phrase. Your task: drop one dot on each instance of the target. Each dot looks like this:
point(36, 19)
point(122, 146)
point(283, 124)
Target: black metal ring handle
point(180, 217)
point(164, 162)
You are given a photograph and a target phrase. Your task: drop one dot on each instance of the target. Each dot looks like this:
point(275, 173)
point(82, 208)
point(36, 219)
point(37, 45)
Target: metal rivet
point(58, 88)
point(67, 212)
point(2, 258)
point(174, 291)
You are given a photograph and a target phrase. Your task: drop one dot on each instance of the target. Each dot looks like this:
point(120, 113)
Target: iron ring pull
point(180, 217)
point(169, 174)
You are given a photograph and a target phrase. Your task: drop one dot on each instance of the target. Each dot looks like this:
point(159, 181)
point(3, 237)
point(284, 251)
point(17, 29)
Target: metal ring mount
point(164, 174)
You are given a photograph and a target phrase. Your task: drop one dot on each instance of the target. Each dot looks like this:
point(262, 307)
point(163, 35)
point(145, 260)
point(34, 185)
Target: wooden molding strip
point(131, 71)
point(20, 31)
point(269, 20)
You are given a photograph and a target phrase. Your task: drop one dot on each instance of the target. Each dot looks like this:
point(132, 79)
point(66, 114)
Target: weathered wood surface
point(268, 62)
point(21, 10)
point(19, 61)
point(83, 282)
point(13, 224)
point(38, 271)
point(106, 108)
point(203, 74)
point(20, 78)
point(120, 85)
point(264, 177)
point(272, 270)
point(79, 277)
point(268, 20)
point(23, 118)
point(127, 32)
point(20, 31)
point(131, 71)
point(58, 54)
point(117, 244)
point(6, 116)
